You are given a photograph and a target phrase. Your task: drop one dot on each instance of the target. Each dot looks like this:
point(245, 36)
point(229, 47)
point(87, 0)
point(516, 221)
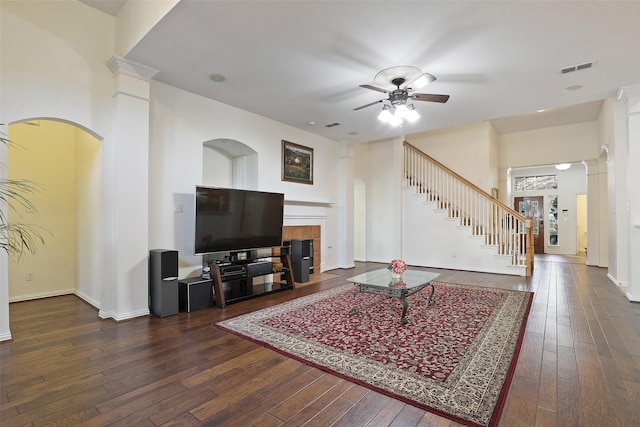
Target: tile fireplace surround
point(305, 232)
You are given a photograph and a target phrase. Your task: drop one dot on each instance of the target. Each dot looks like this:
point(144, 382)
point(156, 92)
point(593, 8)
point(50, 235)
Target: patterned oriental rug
point(455, 358)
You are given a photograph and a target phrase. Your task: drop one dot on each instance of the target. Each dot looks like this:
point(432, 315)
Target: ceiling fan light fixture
point(412, 115)
point(401, 111)
point(395, 108)
point(385, 115)
point(395, 121)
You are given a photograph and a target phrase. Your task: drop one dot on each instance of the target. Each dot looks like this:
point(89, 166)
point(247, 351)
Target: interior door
point(532, 207)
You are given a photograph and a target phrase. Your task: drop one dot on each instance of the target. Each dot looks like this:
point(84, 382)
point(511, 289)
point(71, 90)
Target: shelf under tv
point(236, 284)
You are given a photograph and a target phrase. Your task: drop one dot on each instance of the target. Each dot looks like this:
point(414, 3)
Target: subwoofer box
point(195, 293)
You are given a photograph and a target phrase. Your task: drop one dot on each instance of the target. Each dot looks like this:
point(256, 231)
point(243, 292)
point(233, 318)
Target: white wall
point(57, 70)
point(216, 168)
point(571, 182)
point(470, 150)
point(565, 144)
point(548, 146)
point(136, 18)
point(53, 65)
point(378, 166)
point(613, 135)
point(89, 215)
point(180, 123)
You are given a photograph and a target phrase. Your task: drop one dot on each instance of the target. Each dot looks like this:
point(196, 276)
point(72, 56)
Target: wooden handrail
point(500, 224)
point(468, 183)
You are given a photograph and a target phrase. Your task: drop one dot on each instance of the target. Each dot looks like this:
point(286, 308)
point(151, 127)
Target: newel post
point(529, 248)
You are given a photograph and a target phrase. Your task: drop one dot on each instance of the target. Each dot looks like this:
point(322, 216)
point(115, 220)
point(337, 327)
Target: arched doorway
point(64, 159)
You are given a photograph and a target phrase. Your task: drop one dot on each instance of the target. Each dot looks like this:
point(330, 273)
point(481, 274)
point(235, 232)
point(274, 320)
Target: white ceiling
point(302, 61)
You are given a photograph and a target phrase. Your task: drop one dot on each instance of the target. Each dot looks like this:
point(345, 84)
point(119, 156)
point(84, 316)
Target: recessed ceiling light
point(540, 111)
point(218, 78)
point(311, 123)
point(572, 88)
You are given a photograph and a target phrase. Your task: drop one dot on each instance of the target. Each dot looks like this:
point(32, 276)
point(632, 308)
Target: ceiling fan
point(406, 79)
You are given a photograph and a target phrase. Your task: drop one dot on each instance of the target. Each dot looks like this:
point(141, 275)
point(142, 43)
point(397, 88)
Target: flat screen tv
point(228, 219)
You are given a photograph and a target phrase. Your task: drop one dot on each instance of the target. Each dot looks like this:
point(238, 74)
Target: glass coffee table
point(380, 282)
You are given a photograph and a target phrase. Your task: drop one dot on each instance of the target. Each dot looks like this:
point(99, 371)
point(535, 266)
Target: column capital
point(131, 78)
point(595, 166)
point(119, 65)
point(630, 95)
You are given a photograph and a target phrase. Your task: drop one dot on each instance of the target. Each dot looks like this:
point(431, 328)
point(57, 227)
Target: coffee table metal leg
point(432, 300)
point(354, 310)
point(405, 306)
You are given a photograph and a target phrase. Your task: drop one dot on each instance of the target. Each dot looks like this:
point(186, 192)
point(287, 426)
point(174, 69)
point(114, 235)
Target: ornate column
point(345, 207)
point(630, 96)
point(597, 212)
point(126, 185)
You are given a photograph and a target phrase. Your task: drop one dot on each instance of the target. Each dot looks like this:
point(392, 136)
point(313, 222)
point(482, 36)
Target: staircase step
point(455, 252)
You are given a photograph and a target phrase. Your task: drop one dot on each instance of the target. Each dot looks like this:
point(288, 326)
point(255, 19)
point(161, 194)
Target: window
point(553, 220)
point(542, 182)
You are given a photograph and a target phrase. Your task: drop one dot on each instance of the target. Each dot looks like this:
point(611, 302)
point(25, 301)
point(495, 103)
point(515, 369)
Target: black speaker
point(301, 259)
point(195, 293)
point(259, 268)
point(163, 282)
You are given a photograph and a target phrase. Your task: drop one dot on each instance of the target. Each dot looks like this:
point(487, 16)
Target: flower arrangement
point(398, 266)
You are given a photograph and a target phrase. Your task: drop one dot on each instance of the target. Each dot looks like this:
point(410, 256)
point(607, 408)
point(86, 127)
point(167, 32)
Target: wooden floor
point(579, 365)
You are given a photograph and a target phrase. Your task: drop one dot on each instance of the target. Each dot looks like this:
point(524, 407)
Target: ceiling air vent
point(330, 125)
point(578, 67)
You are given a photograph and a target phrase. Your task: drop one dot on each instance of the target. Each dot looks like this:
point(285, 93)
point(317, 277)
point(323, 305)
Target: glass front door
point(532, 207)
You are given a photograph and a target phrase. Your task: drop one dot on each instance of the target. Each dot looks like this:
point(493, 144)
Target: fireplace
point(306, 232)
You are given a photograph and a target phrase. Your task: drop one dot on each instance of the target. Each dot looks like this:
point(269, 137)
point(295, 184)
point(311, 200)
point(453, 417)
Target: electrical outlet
point(29, 276)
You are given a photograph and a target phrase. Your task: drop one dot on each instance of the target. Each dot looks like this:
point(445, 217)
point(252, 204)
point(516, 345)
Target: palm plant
point(17, 238)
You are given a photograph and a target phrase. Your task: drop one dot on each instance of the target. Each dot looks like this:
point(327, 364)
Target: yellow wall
point(45, 154)
point(581, 212)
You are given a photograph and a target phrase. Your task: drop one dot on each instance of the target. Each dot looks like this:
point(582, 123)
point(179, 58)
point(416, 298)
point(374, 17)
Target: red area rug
point(454, 358)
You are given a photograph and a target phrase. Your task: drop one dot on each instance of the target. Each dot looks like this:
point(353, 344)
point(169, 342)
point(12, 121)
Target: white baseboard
point(88, 299)
point(105, 314)
point(42, 295)
point(614, 280)
point(121, 317)
point(131, 315)
point(101, 313)
point(6, 337)
point(633, 298)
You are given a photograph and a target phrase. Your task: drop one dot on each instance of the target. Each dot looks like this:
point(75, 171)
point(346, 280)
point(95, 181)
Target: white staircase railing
point(500, 225)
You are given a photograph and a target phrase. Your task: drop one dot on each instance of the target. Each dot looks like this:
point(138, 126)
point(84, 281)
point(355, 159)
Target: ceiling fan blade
point(420, 82)
point(374, 88)
point(368, 105)
point(429, 97)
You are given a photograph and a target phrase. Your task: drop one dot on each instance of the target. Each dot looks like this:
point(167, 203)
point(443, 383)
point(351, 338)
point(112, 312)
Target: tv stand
point(233, 281)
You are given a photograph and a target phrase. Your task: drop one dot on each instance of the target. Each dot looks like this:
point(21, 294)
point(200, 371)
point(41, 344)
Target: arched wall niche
point(227, 162)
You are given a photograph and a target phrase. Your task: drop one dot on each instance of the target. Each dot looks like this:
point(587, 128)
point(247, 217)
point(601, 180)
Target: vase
point(396, 276)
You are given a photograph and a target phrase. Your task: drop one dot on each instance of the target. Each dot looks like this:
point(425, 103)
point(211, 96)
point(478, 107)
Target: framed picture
point(297, 163)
